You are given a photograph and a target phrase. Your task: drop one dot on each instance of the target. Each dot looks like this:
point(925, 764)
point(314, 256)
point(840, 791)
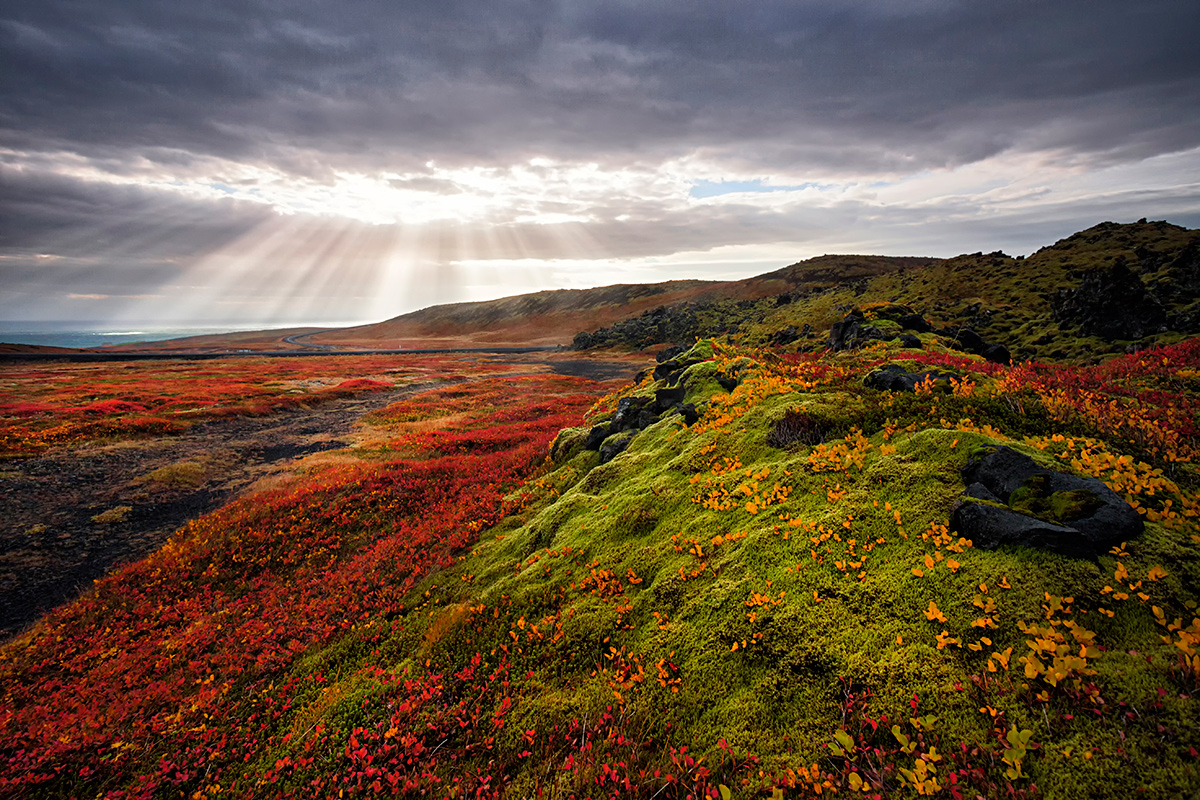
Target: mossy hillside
point(754, 588)
point(1007, 300)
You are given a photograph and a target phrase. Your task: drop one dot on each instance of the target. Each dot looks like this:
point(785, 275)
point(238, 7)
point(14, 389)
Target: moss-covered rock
point(1011, 500)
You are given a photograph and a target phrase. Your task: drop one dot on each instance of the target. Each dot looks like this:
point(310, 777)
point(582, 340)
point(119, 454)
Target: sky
point(258, 162)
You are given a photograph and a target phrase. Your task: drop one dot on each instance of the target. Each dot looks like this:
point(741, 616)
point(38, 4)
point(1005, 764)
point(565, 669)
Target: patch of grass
point(180, 475)
point(113, 515)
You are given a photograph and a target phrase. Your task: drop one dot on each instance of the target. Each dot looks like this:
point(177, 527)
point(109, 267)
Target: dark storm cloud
point(48, 213)
point(96, 98)
point(62, 237)
point(849, 85)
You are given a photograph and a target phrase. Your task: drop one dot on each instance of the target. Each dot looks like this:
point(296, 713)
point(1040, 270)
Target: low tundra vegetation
point(69, 404)
point(766, 603)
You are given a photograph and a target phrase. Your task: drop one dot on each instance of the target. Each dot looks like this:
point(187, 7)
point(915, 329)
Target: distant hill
point(556, 316)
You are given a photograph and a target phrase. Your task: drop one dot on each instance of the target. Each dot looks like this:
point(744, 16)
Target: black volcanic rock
point(1011, 500)
point(1111, 303)
point(972, 342)
point(895, 378)
point(596, 437)
point(852, 332)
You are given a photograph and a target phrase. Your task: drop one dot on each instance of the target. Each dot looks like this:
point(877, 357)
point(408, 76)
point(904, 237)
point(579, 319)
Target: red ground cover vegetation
point(179, 668)
point(42, 406)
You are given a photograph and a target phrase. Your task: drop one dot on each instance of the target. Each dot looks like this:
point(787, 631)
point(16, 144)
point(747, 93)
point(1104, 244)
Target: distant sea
point(97, 334)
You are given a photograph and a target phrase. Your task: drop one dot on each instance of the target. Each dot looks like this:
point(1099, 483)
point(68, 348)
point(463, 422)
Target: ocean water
point(97, 334)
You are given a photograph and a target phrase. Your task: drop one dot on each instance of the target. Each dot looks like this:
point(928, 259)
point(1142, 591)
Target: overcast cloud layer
point(287, 161)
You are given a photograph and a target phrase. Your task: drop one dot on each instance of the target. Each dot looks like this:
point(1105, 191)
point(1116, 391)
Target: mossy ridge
point(1006, 299)
point(636, 518)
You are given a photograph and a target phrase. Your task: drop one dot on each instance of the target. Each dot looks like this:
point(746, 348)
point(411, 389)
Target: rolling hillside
point(765, 568)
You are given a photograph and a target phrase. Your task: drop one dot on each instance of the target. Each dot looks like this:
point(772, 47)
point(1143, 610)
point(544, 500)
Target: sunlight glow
point(356, 246)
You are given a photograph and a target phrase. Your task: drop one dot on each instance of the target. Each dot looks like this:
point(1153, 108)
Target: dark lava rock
point(671, 369)
point(668, 353)
point(895, 378)
point(596, 436)
point(844, 334)
point(911, 341)
point(1112, 304)
point(614, 445)
point(628, 411)
point(997, 353)
point(914, 322)
point(668, 397)
point(690, 415)
point(1011, 500)
point(785, 336)
point(852, 331)
point(972, 342)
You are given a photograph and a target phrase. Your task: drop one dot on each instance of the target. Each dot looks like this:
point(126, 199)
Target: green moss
point(568, 444)
point(1034, 499)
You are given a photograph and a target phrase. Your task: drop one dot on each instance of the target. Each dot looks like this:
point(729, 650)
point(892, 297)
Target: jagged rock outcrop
point(684, 322)
point(1011, 500)
point(638, 413)
point(853, 331)
point(1111, 303)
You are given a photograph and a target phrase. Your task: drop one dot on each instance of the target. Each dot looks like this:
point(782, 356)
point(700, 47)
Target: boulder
point(845, 333)
point(853, 330)
point(672, 368)
point(895, 378)
point(1009, 499)
point(972, 342)
point(910, 341)
point(630, 412)
point(614, 445)
point(668, 397)
point(914, 322)
point(595, 437)
point(997, 354)
point(785, 336)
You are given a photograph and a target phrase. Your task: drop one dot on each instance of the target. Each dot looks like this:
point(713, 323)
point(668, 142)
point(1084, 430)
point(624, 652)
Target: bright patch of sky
point(703, 189)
